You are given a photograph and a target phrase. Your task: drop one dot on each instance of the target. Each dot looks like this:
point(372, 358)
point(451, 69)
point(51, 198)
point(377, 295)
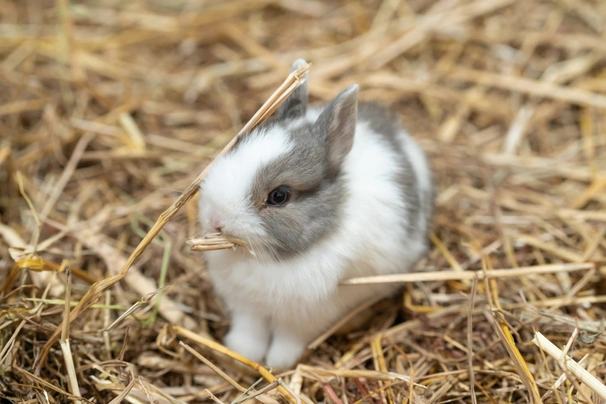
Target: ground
point(109, 110)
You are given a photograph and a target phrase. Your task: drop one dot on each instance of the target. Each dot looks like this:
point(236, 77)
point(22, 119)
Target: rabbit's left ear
point(338, 123)
point(295, 105)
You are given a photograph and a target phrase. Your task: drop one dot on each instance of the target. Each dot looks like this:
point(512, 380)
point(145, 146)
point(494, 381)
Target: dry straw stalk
point(216, 241)
point(469, 275)
point(568, 364)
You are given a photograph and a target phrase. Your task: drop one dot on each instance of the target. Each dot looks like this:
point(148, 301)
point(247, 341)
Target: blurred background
point(109, 109)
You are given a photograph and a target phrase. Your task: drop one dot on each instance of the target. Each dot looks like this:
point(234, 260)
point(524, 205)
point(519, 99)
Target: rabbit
point(321, 195)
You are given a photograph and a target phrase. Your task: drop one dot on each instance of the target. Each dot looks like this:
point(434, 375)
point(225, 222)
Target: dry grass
point(216, 241)
point(109, 110)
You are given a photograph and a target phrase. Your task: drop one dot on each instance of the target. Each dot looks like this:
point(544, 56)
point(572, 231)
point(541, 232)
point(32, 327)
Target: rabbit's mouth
point(218, 241)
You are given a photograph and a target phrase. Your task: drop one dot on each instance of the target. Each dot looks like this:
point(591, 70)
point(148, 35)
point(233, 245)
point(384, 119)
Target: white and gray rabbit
point(322, 195)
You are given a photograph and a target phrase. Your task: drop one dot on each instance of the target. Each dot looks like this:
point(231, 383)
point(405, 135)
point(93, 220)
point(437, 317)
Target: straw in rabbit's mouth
point(217, 241)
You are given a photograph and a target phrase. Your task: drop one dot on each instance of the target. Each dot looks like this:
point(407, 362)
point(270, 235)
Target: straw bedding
point(109, 110)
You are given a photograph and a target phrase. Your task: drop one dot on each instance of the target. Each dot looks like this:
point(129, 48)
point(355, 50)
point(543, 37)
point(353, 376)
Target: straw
point(109, 114)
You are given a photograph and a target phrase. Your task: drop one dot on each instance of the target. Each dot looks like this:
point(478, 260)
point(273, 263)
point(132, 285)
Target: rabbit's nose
point(216, 223)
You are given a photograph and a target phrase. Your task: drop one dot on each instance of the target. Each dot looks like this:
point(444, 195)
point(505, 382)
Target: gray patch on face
point(317, 199)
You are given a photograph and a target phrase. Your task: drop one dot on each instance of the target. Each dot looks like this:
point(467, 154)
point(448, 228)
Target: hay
point(109, 111)
point(216, 241)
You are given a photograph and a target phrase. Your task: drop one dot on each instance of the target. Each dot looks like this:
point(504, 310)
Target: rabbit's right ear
point(295, 105)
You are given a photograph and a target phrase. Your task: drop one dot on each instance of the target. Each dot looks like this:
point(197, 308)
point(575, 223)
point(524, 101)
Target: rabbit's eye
point(278, 196)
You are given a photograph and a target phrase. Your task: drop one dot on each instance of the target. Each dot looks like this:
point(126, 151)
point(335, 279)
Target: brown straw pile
point(110, 111)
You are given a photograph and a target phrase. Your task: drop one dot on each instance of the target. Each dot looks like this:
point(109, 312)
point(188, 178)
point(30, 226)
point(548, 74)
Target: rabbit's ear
point(295, 105)
point(338, 122)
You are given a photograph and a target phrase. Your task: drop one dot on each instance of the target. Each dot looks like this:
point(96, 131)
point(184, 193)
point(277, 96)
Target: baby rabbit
point(321, 195)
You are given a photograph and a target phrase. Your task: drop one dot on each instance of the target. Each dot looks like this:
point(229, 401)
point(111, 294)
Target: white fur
point(224, 191)
point(278, 308)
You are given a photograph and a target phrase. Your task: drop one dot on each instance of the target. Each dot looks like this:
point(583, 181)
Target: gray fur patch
point(317, 195)
point(382, 121)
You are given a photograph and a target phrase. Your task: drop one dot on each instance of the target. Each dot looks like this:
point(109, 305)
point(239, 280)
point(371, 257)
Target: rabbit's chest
point(269, 286)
